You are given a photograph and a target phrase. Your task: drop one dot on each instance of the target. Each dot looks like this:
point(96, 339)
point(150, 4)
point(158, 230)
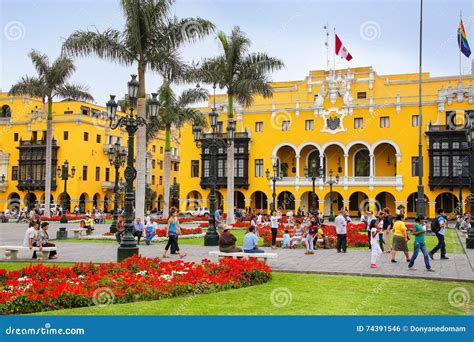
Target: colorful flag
point(341, 50)
point(462, 40)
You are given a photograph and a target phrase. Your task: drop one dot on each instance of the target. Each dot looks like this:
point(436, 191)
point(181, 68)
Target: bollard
point(61, 234)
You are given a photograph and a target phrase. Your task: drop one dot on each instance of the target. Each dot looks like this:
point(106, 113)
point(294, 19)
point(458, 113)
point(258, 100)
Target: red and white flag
point(341, 50)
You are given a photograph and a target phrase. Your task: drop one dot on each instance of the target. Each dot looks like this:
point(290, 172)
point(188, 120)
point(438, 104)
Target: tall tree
point(150, 39)
point(243, 75)
point(174, 112)
point(50, 82)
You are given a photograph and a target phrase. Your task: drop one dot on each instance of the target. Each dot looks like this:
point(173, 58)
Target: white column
point(372, 171)
point(346, 167)
point(297, 167)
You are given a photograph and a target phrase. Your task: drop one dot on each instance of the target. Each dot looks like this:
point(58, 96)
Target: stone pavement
point(355, 262)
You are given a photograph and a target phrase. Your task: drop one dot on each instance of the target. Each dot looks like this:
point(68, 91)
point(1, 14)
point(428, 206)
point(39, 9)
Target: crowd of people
point(386, 234)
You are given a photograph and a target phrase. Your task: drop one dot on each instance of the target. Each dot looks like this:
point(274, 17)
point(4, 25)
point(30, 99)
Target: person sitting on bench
point(44, 239)
point(227, 241)
point(251, 242)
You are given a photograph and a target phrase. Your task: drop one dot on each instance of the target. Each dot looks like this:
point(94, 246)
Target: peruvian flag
point(341, 50)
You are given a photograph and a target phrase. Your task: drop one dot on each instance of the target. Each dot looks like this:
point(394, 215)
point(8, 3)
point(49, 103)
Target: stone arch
point(286, 201)
point(447, 201)
point(239, 199)
point(358, 203)
point(83, 199)
point(411, 204)
point(259, 200)
point(96, 200)
point(6, 111)
point(193, 200)
point(386, 200)
point(337, 203)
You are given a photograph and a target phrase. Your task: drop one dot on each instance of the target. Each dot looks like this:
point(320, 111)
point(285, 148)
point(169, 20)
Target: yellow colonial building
point(82, 137)
point(358, 124)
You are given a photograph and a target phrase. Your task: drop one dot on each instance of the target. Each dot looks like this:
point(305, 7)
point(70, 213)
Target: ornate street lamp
point(117, 158)
point(276, 177)
point(313, 174)
point(131, 123)
point(331, 181)
point(213, 141)
point(470, 140)
point(63, 173)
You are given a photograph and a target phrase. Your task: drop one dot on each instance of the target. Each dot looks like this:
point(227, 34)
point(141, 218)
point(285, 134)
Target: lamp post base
point(331, 218)
point(124, 252)
point(470, 239)
point(211, 238)
point(63, 219)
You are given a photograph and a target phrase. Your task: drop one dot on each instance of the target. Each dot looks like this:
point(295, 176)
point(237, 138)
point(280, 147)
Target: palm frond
point(108, 45)
point(74, 92)
point(61, 70)
point(192, 96)
point(40, 62)
point(30, 86)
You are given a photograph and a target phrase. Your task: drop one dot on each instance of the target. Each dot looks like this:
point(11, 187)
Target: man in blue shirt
point(443, 223)
point(217, 217)
point(251, 242)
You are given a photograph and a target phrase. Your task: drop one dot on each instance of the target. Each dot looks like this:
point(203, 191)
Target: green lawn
point(310, 295)
point(17, 265)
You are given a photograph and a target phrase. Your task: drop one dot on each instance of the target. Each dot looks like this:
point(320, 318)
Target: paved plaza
point(354, 262)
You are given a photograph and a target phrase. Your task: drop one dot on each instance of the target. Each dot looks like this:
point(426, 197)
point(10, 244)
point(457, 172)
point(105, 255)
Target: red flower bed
point(69, 217)
point(42, 288)
point(241, 224)
point(354, 237)
point(184, 231)
point(204, 224)
point(182, 219)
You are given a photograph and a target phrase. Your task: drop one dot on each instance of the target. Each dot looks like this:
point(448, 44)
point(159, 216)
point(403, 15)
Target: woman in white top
point(274, 221)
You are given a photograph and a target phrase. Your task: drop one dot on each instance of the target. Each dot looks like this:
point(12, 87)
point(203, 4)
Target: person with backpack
point(419, 231)
point(438, 227)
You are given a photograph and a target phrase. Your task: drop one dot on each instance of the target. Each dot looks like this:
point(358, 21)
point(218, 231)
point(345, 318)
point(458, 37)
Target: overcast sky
point(380, 33)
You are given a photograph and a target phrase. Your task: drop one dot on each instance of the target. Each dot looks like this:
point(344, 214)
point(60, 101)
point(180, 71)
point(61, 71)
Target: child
point(309, 240)
point(376, 251)
point(150, 231)
point(286, 240)
point(298, 234)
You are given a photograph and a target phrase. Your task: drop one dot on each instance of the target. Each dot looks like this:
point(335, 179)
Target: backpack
point(435, 226)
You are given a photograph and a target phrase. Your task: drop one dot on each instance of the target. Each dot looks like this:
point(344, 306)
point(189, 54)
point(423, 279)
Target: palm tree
point(175, 112)
point(51, 82)
point(243, 75)
point(150, 39)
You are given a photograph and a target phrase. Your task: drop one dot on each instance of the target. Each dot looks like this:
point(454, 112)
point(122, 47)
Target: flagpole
point(327, 46)
point(459, 45)
point(420, 201)
point(334, 56)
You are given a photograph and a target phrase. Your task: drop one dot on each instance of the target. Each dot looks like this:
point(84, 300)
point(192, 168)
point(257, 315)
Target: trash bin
point(61, 234)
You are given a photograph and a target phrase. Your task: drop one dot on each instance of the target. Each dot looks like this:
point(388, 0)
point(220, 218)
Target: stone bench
point(78, 232)
point(263, 256)
point(11, 252)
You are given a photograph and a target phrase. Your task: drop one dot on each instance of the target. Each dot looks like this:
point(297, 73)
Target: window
point(107, 174)
point(34, 135)
point(309, 125)
point(258, 167)
point(221, 166)
point(153, 180)
point(161, 164)
point(239, 168)
point(415, 120)
point(84, 172)
point(15, 173)
point(153, 148)
point(206, 168)
point(161, 180)
point(153, 163)
point(97, 138)
point(44, 135)
point(384, 122)
point(174, 180)
point(445, 166)
point(15, 136)
point(97, 173)
point(259, 126)
point(436, 166)
point(86, 136)
point(175, 167)
point(414, 167)
point(361, 95)
point(161, 149)
point(194, 168)
point(358, 123)
point(285, 125)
